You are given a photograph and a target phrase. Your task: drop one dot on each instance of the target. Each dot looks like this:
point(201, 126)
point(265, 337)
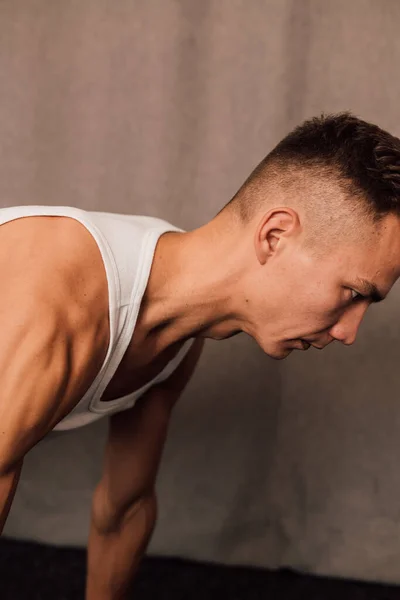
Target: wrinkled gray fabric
point(163, 107)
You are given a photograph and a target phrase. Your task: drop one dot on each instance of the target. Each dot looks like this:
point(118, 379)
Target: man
point(99, 312)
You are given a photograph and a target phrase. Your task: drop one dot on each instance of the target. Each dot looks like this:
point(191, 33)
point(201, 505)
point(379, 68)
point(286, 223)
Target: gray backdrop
point(163, 107)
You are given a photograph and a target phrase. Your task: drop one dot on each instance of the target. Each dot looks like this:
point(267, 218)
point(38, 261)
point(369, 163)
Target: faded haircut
point(331, 162)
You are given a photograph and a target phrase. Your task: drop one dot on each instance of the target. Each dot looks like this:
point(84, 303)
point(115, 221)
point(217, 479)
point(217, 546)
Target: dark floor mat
point(36, 572)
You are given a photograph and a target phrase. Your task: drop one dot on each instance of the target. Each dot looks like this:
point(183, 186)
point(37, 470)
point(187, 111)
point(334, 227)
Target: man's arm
point(124, 503)
point(54, 332)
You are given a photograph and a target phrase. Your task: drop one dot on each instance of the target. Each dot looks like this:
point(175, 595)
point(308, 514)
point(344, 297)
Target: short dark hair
point(361, 157)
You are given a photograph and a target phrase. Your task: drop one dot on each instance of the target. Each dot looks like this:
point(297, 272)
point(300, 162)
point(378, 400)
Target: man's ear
point(276, 227)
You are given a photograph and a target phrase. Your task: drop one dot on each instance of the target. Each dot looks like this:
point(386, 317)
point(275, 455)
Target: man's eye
point(355, 295)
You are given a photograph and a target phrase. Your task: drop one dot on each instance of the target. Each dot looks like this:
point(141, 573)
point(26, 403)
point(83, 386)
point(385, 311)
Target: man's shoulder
point(49, 262)
point(53, 316)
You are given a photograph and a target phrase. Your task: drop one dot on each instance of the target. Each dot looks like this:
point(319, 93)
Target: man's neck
point(192, 286)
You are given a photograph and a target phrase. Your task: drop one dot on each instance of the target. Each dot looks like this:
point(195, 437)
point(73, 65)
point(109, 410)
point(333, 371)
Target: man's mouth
point(303, 345)
point(316, 346)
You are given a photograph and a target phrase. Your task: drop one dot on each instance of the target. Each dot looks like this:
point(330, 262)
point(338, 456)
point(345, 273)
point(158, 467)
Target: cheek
point(308, 295)
point(324, 307)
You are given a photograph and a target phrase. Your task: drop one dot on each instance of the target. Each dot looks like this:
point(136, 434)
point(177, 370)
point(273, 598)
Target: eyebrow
point(369, 289)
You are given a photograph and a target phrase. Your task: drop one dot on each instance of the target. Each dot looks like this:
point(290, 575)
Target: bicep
point(36, 388)
point(28, 388)
point(136, 440)
point(133, 451)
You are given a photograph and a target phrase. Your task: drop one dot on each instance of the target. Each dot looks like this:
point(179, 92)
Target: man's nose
point(346, 327)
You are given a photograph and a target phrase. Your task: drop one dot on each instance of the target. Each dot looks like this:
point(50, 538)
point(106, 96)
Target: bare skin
point(216, 281)
point(55, 338)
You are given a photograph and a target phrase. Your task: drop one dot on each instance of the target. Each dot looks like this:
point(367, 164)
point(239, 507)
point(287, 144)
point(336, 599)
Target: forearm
point(116, 546)
point(8, 485)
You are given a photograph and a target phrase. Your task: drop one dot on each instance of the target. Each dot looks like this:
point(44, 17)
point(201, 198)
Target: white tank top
point(127, 244)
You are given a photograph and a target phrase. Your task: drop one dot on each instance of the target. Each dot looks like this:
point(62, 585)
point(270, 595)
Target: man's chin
point(277, 353)
point(281, 355)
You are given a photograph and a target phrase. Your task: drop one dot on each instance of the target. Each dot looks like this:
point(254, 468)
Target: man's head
point(321, 215)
